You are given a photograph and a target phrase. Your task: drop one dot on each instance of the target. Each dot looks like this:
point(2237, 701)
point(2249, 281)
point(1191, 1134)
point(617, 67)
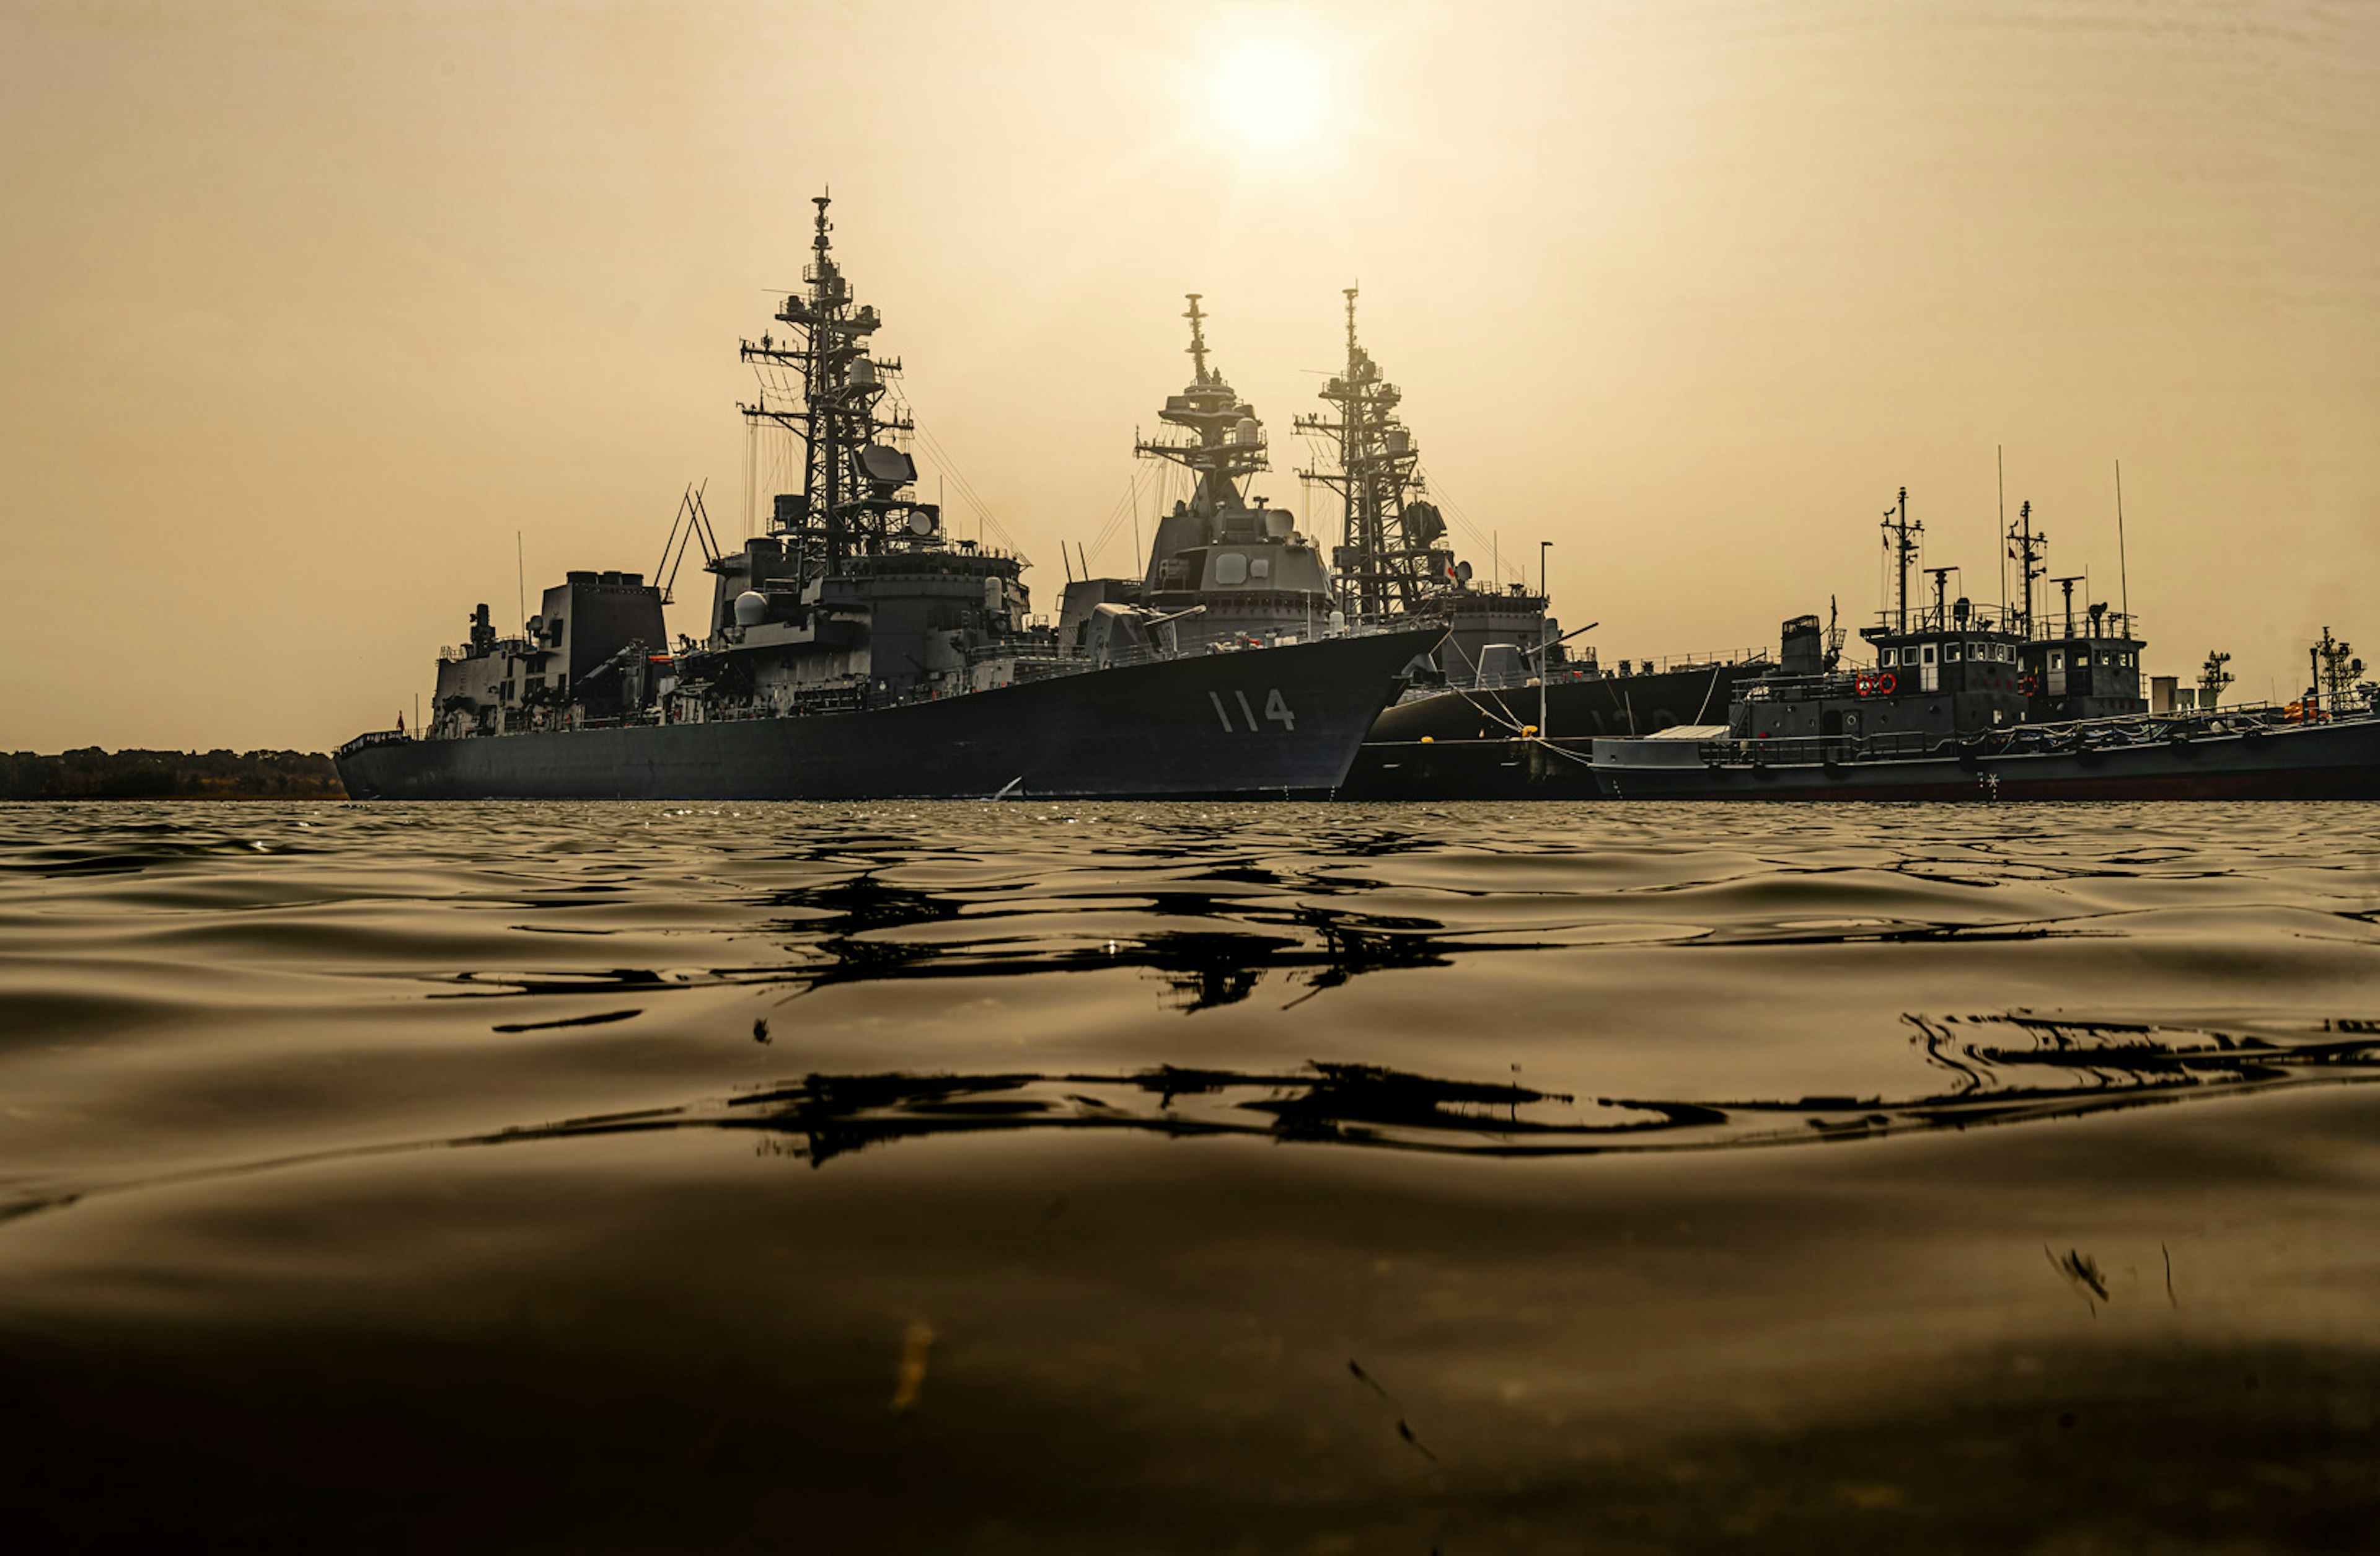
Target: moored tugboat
point(1964, 701)
point(856, 652)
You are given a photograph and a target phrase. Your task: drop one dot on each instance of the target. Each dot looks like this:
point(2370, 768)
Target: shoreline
point(90, 772)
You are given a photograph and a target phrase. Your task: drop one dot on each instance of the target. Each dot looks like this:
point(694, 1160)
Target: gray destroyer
point(857, 651)
point(1228, 568)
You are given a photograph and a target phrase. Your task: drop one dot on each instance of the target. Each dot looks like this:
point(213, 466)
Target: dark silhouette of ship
point(857, 651)
point(1967, 700)
point(1225, 567)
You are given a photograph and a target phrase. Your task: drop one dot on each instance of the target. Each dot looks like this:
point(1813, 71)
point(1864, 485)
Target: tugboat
point(856, 651)
point(1966, 701)
point(1225, 567)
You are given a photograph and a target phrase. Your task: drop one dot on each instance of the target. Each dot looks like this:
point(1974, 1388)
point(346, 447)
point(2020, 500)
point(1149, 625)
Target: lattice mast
point(2335, 668)
point(2212, 676)
point(1388, 559)
point(855, 487)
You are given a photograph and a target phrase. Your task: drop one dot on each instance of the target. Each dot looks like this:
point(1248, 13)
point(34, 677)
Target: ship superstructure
point(1966, 701)
point(1225, 565)
point(1952, 664)
point(854, 649)
point(1394, 558)
point(854, 589)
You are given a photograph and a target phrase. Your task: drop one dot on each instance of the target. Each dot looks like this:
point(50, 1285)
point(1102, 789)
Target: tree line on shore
point(93, 773)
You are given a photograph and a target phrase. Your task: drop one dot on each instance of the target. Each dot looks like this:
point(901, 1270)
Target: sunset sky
point(310, 308)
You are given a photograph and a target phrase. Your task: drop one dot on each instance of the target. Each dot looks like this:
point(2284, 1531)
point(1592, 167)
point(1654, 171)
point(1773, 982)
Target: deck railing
point(1626, 669)
point(2076, 735)
point(2049, 623)
point(1027, 667)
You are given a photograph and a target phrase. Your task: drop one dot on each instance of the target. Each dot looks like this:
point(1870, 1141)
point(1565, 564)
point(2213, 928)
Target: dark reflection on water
point(2069, 1069)
point(2064, 1069)
point(1271, 1177)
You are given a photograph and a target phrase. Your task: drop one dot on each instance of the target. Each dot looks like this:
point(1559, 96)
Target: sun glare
point(1269, 93)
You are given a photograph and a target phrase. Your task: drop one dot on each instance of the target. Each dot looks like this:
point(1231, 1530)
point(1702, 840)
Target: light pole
point(1545, 649)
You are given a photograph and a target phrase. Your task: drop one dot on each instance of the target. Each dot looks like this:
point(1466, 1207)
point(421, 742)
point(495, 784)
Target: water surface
point(1114, 1177)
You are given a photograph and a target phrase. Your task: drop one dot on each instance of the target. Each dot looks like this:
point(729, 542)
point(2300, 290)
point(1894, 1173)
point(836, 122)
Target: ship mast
point(851, 499)
point(1388, 559)
point(1229, 445)
point(1197, 347)
point(2027, 546)
point(1901, 537)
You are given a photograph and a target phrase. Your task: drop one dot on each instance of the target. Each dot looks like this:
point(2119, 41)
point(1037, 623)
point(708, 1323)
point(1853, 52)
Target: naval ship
point(1226, 567)
point(1968, 701)
point(855, 649)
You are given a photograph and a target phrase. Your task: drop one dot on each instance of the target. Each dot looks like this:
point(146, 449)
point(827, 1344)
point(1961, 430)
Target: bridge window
point(1949, 653)
point(1259, 566)
point(1928, 651)
point(1885, 658)
point(1231, 567)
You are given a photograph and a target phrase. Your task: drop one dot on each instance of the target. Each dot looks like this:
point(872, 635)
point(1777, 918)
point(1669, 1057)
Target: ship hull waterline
point(1264, 723)
point(2313, 761)
point(1468, 745)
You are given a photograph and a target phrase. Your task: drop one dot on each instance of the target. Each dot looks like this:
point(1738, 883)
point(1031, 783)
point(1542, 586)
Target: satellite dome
point(751, 608)
point(1246, 431)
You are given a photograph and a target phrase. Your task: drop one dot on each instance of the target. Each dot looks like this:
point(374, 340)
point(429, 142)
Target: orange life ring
point(2027, 685)
point(1885, 683)
point(1862, 683)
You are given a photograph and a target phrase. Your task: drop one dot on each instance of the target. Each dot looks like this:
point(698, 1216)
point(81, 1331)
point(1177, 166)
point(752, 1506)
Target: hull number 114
point(1274, 708)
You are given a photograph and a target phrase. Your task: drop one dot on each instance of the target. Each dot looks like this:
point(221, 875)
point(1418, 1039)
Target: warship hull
point(2302, 761)
point(1262, 723)
point(1468, 745)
